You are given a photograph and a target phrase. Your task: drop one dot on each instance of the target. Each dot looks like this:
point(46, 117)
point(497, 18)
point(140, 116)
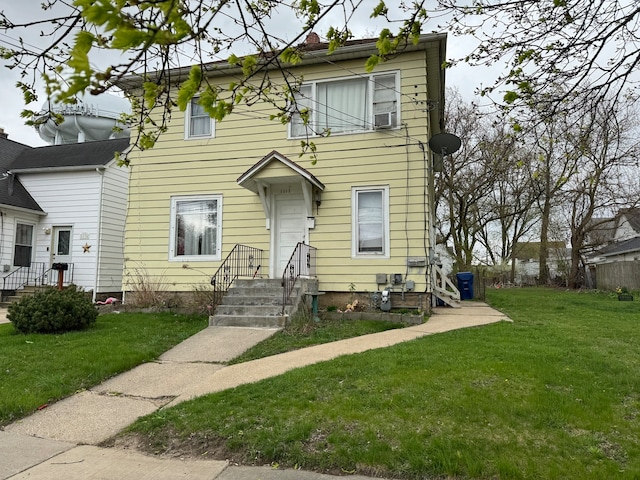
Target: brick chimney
point(2, 134)
point(312, 39)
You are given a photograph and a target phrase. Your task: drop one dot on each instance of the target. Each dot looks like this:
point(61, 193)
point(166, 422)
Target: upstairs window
point(198, 123)
point(356, 104)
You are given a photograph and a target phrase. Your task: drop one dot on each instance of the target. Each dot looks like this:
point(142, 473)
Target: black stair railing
point(243, 261)
point(302, 263)
point(38, 274)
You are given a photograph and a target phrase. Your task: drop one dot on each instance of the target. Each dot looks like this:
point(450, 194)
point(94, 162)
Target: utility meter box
point(385, 300)
point(381, 278)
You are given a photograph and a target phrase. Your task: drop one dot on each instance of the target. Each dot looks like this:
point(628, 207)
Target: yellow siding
point(392, 158)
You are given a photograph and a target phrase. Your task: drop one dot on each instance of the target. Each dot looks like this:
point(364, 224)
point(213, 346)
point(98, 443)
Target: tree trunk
point(574, 270)
point(543, 273)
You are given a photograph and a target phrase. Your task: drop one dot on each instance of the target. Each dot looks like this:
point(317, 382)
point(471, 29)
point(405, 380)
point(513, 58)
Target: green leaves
point(510, 97)
point(291, 55)
point(28, 92)
point(379, 10)
point(189, 87)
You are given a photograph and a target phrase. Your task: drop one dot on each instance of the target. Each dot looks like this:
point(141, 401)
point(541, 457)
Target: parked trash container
point(465, 285)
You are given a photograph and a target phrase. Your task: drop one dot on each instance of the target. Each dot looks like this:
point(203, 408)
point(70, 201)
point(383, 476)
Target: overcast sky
point(466, 79)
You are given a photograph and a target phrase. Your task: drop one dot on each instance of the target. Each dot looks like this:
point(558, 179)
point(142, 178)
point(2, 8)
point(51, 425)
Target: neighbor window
point(23, 245)
point(370, 207)
point(355, 104)
point(195, 228)
point(198, 123)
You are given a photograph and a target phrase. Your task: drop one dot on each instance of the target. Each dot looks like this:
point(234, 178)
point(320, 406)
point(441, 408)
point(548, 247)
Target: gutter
point(77, 168)
point(310, 57)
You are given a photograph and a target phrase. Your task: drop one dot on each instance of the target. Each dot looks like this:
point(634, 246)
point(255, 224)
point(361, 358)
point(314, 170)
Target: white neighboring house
point(620, 237)
point(63, 204)
point(618, 262)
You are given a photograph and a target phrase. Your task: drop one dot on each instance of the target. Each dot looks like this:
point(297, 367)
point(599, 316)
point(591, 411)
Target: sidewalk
point(60, 441)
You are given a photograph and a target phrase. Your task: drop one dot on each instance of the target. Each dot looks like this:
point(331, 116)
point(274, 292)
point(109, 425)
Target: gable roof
point(9, 150)
point(12, 192)
point(72, 156)
point(633, 217)
point(601, 231)
point(247, 178)
point(626, 246)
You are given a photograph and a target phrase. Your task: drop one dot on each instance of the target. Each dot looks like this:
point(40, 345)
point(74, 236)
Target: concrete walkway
point(60, 440)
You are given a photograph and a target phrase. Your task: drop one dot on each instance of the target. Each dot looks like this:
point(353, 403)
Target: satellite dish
point(444, 143)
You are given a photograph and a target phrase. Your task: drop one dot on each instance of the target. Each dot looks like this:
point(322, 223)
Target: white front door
point(62, 237)
point(290, 228)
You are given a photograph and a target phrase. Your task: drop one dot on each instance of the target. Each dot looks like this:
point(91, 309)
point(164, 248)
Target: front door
point(290, 228)
point(62, 237)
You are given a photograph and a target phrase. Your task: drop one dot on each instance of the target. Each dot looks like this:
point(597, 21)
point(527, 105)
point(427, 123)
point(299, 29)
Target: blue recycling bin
point(465, 285)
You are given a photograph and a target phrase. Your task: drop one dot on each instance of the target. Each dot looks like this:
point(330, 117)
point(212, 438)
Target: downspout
point(100, 172)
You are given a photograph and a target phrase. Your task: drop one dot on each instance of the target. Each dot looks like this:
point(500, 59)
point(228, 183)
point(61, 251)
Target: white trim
point(385, 219)
point(172, 229)
point(19, 221)
point(312, 127)
point(187, 126)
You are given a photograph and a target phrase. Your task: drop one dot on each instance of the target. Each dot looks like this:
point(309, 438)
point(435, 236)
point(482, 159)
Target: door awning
point(274, 169)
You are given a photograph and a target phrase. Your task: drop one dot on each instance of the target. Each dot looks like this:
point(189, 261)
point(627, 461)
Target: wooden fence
point(610, 276)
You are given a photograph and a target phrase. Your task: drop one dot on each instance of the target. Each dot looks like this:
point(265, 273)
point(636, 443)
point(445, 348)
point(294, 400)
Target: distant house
point(618, 262)
point(62, 204)
point(527, 257)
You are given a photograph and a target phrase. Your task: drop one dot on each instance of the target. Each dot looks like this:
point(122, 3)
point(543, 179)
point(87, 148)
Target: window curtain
point(342, 105)
point(197, 222)
point(200, 122)
point(370, 222)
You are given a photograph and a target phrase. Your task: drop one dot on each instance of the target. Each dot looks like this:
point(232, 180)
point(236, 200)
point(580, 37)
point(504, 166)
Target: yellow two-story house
point(235, 198)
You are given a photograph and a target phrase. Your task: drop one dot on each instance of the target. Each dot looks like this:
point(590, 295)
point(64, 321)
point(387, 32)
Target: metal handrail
point(38, 274)
point(301, 263)
point(242, 261)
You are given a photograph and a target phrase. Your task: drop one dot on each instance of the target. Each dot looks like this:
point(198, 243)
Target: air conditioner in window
point(382, 120)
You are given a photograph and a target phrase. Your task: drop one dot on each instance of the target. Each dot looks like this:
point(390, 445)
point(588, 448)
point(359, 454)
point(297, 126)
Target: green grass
point(554, 395)
point(37, 369)
point(305, 333)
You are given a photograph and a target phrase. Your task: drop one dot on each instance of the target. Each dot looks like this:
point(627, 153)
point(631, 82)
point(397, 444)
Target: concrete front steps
point(18, 294)
point(255, 303)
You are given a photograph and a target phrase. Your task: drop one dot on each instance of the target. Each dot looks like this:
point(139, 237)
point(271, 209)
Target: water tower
point(92, 118)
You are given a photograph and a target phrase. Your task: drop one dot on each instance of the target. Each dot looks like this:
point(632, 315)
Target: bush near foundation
point(53, 311)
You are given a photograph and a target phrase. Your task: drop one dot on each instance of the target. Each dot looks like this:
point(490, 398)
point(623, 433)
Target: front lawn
point(556, 394)
point(303, 333)
point(38, 369)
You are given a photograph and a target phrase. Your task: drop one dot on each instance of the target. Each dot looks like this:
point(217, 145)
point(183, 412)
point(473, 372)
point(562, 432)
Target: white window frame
point(355, 191)
point(187, 124)
point(15, 238)
point(314, 129)
point(173, 256)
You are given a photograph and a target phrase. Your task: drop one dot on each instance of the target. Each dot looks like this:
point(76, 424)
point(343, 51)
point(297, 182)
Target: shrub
point(53, 311)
